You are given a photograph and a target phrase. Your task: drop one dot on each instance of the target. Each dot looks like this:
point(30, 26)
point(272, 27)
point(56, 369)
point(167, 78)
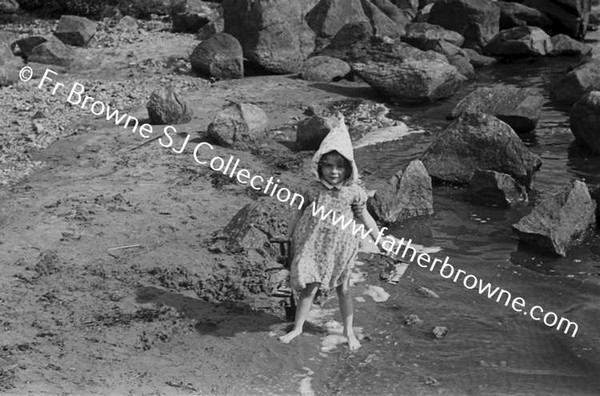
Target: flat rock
point(585, 121)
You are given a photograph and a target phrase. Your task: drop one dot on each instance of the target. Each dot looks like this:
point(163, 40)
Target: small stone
point(440, 332)
point(413, 319)
point(427, 292)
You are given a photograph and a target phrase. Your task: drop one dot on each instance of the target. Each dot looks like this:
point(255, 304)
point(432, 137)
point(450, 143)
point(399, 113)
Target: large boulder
point(75, 30)
point(329, 16)
point(559, 222)
point(585, 121)
point(311, 131)
point(518, 107)
point(240, 125)
point(582, 79)
point(515, 14)
point(273, 33)
point(497, 189)
point(476, 20)
point(411, 81)
point(382, 24)
point(189, 16)
point(52, 52)
point(565, 45)
point(409, 196)
point(165, 107)
point(220, 56)
point(479, 141)
point(569, 16)
point(520, 41)
point(324, 69)
point(426, 36)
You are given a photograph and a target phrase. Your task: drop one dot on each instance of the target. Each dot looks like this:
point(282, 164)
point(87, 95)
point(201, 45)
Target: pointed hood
point(338, 139)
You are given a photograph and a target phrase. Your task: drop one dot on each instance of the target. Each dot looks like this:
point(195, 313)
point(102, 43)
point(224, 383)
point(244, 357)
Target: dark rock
point(494, 188)
point(565, 45)
point(520, 41)
point(324, 69)
point(410, 196)
point(479, 141)
point(569, 16)
point(220, 57)
point(561, 221)
point(382, 24)
point(329, 16)
point(52, 52)
point(518, 107)
point(273, 33)
point(393, 11)
point(311, 131)
point(515, 14)
point(478, 60)
point(585, 121)
point(582, 79)
point(165, 107)
point(476, 20)
point(427, 36)
point(211, 28)
point(240, 125)
point(189, 16)
point(25, 46)
point(74, 30)
point(351, 35)
point(8, 6)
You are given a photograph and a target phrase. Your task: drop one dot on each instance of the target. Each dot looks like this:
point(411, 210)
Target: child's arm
point(368, 221)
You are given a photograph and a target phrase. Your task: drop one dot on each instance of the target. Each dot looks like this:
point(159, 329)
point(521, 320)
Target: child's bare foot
point(353, 343)
point(290, 336)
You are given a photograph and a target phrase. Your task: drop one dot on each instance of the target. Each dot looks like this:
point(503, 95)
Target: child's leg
point(304, 303)
point(347, 309)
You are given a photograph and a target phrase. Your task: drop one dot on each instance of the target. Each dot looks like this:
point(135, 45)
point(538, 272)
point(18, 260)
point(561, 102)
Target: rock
point(425, 292)
point(324, 69)
point(478, 60)
point(561, 221)
point(75, 30)
point(8, 6)
point(211, 28)
point(239, 125)
point(411, 81)
point(351, 35)
point(439, 332)
point(456, 56)
point(329, 16)
point(426, 36)
point(189, 16)
point(394, 11)
point(25, 46)
point(582, 79)
point(476, 20)
point(165, 107)
point(127, 23)
point(520, 41)
point(494, 188)
point(10, 66)
point(585, 121)
point(273, 33)
point(565, 45)
point(410, 5)
point(382, 24)
point(515, 14)
point(52, 52)
point(410, 196)
point(413, 320)
point(311, 131)
point(479, 141)
point(220, 56)
point(518, 107)
point(569, 16)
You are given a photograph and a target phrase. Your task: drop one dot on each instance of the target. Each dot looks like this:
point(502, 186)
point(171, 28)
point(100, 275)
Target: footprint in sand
point(376, 293)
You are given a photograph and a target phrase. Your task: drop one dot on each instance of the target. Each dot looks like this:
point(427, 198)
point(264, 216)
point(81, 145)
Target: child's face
point(333, 170)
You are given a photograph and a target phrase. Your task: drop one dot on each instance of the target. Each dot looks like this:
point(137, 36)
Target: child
point(323, 253)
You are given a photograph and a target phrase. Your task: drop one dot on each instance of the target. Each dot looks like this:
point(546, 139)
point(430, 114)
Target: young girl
point(323, 253)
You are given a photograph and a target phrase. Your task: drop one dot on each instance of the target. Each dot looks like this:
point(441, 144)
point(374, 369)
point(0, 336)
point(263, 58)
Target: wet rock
point(520, 41)
point(565, 45)
point(324, 69)
point(439, 332)
point(514, 14)
point(559, 222)
point(569, 16)
point(426, 36)
point(410, 196)
point(413, 320)
point(478, 60)
point(476, 20)
point(189, 16)
point(312, 131)
point(165, 107)
point(211, 28)
point(582, 79)
point(52, 52)
point(220, 56)
point(411, 81)
point(329, 16)
point(518, 107)
point(585, 121)
point(75, 30)
point(8, 6)
point(24, 47)
point(425, 292)
point(382, 24)
point(479, 141)
point(239, 125)
point(273, 33)
point(494, 188)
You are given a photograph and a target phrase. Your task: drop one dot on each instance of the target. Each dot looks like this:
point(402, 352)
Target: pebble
point(440, 332)
point(427, 292)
